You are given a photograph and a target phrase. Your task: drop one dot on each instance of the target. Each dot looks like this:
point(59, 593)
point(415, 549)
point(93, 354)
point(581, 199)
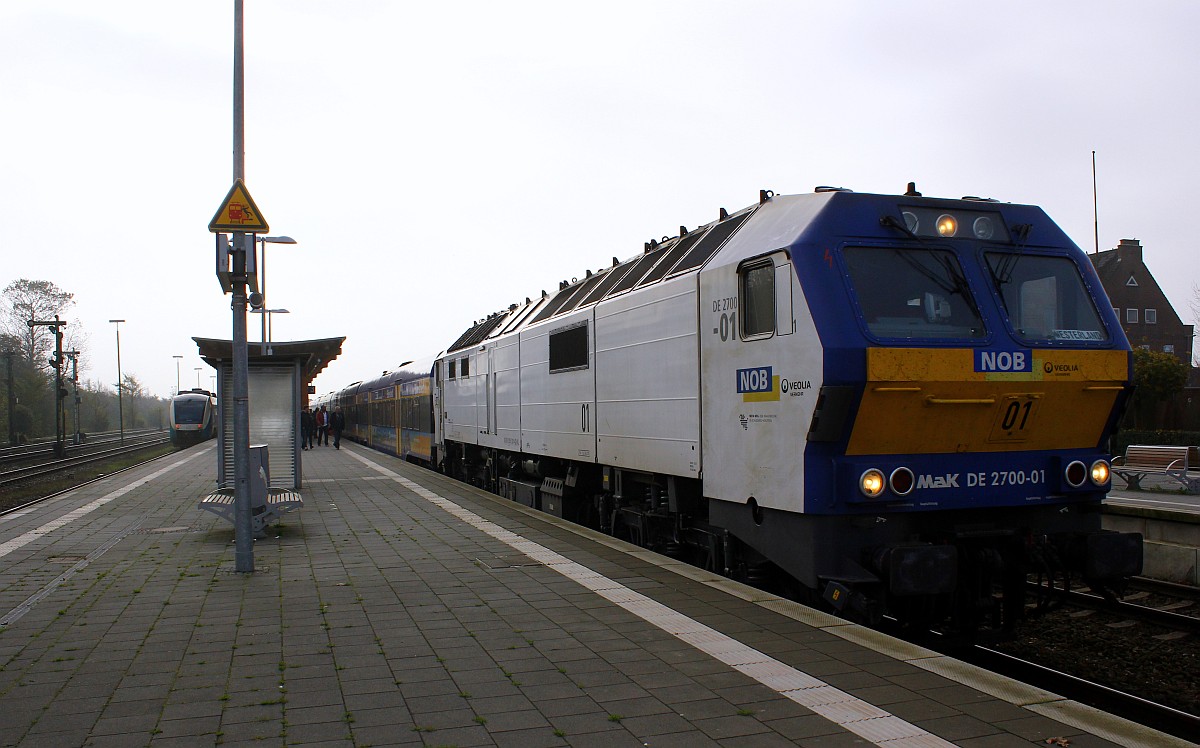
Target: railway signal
point(55, 362)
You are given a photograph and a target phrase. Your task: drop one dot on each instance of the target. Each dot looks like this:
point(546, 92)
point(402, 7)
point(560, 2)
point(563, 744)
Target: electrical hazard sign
point(238, 213)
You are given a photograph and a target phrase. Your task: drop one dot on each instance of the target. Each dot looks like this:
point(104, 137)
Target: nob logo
point(755, 380)
point(1003, 361)
point(757, 384)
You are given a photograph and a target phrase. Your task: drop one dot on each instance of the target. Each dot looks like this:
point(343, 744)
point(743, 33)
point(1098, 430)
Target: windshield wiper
point(958, 284)
point(1002, 275)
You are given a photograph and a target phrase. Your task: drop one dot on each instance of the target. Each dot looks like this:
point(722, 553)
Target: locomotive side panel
point(558, 388)
point(506, 393)
point(647, 388)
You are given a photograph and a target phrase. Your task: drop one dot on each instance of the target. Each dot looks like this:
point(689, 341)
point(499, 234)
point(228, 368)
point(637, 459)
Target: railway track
point(7, 507)
point(1124, 657)
point(1175, 607)
point(32, 472)
point(46, 449)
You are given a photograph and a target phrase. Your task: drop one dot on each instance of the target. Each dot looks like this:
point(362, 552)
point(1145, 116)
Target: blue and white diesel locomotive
point(902, 402)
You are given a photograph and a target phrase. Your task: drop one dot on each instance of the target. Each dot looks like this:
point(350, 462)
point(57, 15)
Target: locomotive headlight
point(1076, 474)
point(1100, 474)
point(901, 481)
point(871, 483)
point(947, 225)
point(983, 228)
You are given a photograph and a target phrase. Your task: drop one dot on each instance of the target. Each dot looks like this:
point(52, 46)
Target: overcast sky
point(437, 161)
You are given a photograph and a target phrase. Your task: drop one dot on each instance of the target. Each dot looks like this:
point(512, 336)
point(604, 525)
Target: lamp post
point(266, 313)
point(198, 369)
point(120, 385)
point(177, 385)
point(262, 279)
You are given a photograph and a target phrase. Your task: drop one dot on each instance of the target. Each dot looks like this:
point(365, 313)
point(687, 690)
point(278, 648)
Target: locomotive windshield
point(913, 293)
point(1045, 297)
point(189, 411)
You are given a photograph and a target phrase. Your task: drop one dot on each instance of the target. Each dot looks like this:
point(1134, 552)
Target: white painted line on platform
point(859, 717)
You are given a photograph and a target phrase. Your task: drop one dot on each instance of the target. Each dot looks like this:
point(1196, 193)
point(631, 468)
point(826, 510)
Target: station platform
point(402, 608)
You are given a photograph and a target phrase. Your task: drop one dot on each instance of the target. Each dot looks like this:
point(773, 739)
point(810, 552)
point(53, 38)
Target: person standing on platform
point(306, 428)
point(323, 426)
point(337, 422)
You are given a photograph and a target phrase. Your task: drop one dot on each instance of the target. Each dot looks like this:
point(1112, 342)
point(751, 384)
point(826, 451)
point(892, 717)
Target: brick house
point(1149, 320)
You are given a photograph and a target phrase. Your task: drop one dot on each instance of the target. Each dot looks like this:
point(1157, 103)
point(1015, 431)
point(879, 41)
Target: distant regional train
point(902, 402)
point(193, 417)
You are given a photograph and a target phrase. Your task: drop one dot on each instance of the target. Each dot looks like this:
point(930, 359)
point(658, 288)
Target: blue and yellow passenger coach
point(393, 412)
point(902, 402)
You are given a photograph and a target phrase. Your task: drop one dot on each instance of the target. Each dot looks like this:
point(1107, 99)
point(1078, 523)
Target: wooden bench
point(274, 505)
point(1141, 460)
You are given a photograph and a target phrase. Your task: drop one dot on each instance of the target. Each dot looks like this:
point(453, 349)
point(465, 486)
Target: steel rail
point(1145, 613)
point(55, 466)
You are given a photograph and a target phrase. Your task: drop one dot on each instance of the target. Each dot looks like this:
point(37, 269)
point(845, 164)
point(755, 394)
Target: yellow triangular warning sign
point(238, 213)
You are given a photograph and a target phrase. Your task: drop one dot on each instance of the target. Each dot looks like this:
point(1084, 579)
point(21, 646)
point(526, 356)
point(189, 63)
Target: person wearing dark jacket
point(337, 422)
point(306, 428)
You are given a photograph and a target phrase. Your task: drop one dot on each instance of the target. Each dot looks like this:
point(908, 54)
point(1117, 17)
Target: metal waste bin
point(260, 477)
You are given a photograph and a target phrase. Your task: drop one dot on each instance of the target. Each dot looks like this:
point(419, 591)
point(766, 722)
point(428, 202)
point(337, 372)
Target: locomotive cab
point(969, 373)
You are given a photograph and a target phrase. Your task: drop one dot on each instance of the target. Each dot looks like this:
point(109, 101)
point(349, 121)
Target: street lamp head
point(116, 320)
point(277, 239)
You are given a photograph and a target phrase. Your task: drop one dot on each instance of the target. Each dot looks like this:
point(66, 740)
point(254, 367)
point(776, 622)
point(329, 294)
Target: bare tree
point(134, 391)
point(33, 300)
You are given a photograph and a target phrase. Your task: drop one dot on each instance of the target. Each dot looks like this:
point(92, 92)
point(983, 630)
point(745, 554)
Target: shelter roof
point(312, 355)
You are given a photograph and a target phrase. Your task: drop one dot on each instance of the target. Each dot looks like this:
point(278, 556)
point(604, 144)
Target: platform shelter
point(280, 378)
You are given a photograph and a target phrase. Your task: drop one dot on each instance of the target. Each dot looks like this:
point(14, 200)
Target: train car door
point(761, 364)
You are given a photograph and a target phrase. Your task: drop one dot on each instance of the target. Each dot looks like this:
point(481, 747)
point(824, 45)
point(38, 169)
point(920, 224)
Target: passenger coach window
point(758, 300)
point(912, 293)
point(464, 368)
point(1045, 297)
point(450, 369)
